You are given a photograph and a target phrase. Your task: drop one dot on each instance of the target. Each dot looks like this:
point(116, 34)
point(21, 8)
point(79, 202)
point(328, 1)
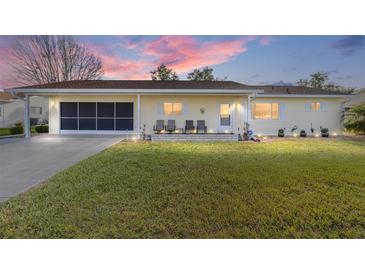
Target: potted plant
point(246, 128)
point(281, 132)
point(303, 133)
point(325, 132)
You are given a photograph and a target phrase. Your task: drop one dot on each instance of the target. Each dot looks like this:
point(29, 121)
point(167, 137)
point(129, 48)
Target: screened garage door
point(86, 116)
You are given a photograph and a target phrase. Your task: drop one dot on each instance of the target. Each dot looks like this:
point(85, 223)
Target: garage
point(102, 117)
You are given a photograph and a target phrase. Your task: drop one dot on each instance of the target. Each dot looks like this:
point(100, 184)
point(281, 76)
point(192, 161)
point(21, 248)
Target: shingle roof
point(295, 90)
point(181, 84)
point(140, 84)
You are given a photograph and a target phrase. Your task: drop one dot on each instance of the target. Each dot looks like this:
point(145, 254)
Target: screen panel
point(124, 110)
point(106, 124)
point(87, 124)
point(68, 123)
point(68, 109)
point(87, 109)
point(124, 124)
point(106, 110)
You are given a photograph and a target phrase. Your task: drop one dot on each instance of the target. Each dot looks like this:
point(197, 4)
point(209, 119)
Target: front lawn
point(281, 189)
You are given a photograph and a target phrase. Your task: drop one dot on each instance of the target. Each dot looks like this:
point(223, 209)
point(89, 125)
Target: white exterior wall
point(293, 111)
point(13, 112)
point(152, 110)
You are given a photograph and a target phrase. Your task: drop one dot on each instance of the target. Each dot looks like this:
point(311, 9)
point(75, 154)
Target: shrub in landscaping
point(41, 128)
point(281, 132)
point(17, 129)
point(354, 119)
point(325, 132)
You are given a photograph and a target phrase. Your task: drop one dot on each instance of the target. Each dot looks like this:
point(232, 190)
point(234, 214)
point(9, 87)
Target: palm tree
point(354, 118)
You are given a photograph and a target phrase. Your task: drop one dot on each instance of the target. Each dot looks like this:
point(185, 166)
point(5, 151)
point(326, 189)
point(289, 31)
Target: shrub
point(17, 129)
point(303, 133)
point(41, 128)
point(354, 118)
point(281, 132)
point(325, 132)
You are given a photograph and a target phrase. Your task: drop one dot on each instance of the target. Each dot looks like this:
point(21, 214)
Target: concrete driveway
point(25, 163)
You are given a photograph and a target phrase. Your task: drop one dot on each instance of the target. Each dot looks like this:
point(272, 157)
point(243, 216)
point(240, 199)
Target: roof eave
point(303, 95)
point(49, 91)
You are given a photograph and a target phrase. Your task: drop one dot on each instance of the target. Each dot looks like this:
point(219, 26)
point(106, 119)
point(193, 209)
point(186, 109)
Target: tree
point(163, 73)
point(354, 118)
point(41, 59)
point(320, 80)
point(206, 74)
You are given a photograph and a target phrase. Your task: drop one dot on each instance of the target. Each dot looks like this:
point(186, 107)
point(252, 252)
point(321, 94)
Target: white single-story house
point(12, 109)
point(137, 106)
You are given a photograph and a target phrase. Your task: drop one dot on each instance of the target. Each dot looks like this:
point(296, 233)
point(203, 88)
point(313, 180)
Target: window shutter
point(282, 111)
point(160, 108)
point(307, 107)
point(185, 108)
point(323, 106)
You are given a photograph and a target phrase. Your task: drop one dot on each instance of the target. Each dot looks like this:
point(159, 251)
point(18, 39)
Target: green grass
point(282, 189)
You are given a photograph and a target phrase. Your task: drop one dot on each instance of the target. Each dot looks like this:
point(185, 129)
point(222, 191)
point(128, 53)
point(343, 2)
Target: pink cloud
point(184, 53)
point(5, 69)
point(181, 53)
point(266, 40)
point(116, 67)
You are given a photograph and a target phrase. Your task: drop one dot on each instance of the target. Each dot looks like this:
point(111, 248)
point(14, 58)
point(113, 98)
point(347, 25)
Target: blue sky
point(246, 59)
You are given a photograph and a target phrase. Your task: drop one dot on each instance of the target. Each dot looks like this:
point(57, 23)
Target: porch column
point(139, 115)
point(26, 117)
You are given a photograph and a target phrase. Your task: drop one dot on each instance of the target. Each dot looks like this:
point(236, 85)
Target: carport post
point(139, 116)
point(26, 117)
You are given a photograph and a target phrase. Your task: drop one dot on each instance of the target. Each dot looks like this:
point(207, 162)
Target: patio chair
point(189, 126)
point(201, 126)
point(170, 127)
point(160, 126)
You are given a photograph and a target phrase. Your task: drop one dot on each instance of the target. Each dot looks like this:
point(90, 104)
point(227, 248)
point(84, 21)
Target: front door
point(225, 118)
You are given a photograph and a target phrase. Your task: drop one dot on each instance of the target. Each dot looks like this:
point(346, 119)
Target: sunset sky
point(246, 59)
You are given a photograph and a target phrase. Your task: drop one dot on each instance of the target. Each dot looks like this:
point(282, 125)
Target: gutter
point(301, 96)
point(93, 91)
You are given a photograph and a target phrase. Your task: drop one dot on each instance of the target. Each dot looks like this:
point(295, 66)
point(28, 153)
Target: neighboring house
point(119, 106)
point(12, 109)
point(358, 97)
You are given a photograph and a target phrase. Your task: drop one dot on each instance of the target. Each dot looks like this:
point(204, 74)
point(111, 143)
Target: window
point(315, 106)
point(267, 111)
point(225, 114)
point(36, 110)
point(172, 108)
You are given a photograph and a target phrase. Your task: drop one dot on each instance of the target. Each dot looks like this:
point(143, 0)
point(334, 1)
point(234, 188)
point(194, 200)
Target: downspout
point(250, 98)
